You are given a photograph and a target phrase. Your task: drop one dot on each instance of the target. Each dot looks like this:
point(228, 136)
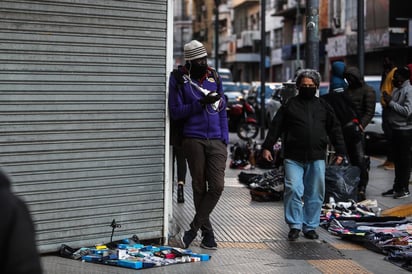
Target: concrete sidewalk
point(252, 238)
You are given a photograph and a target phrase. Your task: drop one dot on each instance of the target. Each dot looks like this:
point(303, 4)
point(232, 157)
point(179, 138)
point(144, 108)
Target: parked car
point(232, 92)
point(376, 123)
point(225, 74)
point(244, 86)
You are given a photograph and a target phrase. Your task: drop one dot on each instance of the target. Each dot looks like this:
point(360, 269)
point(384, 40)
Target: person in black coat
point(306, 123)
point(18, 250)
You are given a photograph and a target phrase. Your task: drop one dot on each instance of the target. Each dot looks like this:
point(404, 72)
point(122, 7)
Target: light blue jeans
point(304, 193)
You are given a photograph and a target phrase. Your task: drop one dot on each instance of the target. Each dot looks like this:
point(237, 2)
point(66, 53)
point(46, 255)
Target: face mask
point(197, 71)
point(307, 92)
point(396, 83)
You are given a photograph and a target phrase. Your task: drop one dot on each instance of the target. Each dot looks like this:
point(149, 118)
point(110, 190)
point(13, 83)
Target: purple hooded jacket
point(200, 121)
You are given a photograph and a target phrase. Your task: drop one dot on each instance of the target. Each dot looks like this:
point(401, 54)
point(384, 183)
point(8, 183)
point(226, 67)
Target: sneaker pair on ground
point(208, 241)
point(294, 234)
point(396, 194)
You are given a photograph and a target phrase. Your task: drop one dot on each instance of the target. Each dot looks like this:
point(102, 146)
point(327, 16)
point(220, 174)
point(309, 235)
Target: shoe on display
point(311, 234)
point(293, 234)
point(180, 193)
point(208, 241)
point(388, 193)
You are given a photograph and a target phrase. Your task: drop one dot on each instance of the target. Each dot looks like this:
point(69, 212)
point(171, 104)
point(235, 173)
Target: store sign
point(336, 46)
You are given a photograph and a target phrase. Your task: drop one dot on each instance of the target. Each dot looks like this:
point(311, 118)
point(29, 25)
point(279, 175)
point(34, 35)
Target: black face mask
point(197, 71)
point(396, 83)
point(307, 92)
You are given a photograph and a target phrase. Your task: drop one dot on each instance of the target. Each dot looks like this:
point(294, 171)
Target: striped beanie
point(194, 50)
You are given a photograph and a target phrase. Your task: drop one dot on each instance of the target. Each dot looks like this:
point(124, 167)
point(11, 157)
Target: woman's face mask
point(307, 92)
point(307, 88)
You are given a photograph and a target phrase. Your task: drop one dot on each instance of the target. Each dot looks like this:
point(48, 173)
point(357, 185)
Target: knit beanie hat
point(194, 50)
point(308, 73)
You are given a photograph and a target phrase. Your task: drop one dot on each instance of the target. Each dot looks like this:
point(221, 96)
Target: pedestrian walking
point(399, 115)
point(363, 99)
point(305, 123)
point(18, 250)
point(201, 105)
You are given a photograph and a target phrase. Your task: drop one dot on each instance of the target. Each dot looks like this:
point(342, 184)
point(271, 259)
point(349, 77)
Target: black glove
point(210, 98)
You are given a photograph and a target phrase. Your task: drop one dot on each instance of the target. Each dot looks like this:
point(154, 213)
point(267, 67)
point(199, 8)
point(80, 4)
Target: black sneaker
point(187, 238)
point(401, 194)
point(311, 234)
point(180, 194)
point(293, 234)
point(208, 241)
point(388, 193)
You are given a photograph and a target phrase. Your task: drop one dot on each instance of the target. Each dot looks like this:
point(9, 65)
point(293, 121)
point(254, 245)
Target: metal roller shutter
point(82, 116)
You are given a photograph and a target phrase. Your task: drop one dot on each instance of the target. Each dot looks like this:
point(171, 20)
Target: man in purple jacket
point(196, 98)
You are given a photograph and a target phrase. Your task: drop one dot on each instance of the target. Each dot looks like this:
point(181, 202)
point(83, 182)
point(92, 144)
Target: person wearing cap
point(399, 117)
point(305, 123)
point(196, 98)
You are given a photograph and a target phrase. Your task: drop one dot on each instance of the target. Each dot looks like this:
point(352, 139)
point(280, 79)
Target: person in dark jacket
point(399, 115)
point(363, 98)
point(18, 251)
point(305, 123)
point(201, 105)
point(346, 113)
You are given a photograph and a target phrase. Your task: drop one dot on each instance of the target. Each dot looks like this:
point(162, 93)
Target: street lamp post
point(312, 33)
point(262, 67)
point(217, 3)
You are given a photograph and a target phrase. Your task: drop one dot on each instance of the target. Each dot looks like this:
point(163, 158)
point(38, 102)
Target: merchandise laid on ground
point(362, 223)
point(131, 254)
point(358, 222)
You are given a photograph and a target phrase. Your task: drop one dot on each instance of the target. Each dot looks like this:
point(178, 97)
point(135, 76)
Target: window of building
point(277, 38)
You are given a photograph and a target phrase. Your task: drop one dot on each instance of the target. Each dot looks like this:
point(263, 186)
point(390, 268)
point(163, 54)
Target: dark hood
point(354, 72)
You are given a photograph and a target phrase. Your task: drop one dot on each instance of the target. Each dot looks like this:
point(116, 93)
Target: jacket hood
point(337, 82)
point(338, 68)
point(354, 72)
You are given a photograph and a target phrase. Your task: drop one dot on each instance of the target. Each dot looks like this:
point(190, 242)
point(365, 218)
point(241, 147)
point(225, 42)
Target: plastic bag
point(341, 182)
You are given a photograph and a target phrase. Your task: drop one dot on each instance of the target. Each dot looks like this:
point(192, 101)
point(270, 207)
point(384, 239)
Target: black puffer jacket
point(305, 126)
point(362, 95)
